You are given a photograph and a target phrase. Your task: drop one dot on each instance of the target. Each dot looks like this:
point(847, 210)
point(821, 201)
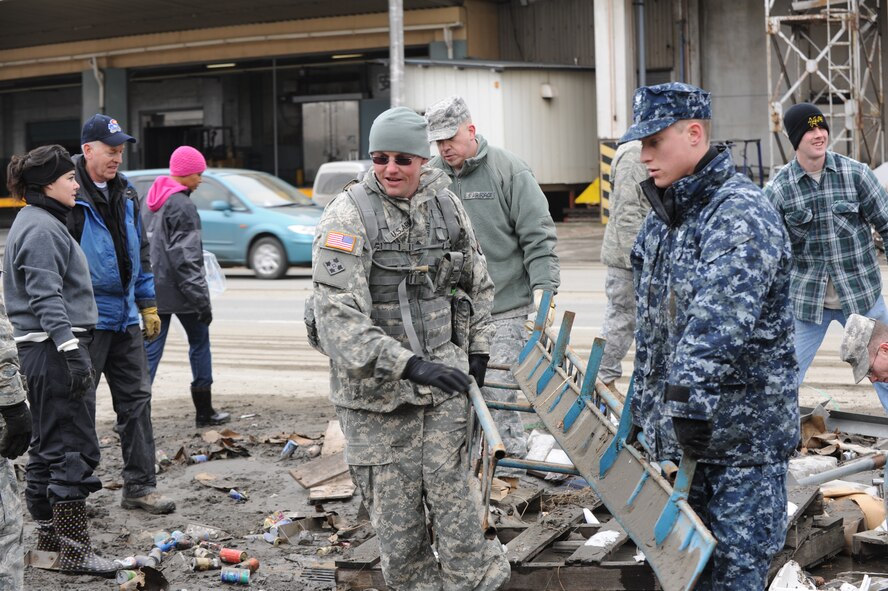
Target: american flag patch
point(340, 241)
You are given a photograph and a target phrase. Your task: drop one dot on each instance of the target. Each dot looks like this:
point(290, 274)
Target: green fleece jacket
point(511, 218)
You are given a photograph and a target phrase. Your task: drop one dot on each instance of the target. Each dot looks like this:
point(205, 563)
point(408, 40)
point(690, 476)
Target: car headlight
point(296, 228)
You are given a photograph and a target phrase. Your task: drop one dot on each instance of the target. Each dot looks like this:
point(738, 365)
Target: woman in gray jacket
point(50, 303)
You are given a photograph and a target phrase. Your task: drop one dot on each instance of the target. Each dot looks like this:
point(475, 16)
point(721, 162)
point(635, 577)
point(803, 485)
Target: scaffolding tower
point(827, 52)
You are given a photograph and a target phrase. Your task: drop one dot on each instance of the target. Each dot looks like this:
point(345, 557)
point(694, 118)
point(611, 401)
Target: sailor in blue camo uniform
point(715, 364)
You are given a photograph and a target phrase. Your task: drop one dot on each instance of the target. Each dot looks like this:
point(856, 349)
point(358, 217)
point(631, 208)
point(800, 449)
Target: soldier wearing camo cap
point(393, 257)
point(511, 218)
point(715, 362)
point(865, 347)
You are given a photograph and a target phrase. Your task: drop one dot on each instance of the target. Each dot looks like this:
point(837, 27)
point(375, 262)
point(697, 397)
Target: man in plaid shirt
point(828, 202)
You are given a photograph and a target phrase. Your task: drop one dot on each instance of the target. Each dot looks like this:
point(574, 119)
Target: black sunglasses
point(399, 160)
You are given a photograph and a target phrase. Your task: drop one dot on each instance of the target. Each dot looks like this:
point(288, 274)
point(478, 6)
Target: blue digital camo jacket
point(712, 269)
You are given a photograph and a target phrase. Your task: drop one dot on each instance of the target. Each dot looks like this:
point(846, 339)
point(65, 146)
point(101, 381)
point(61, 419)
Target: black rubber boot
point(77, 555)
point(203, 404)
point(47, 537)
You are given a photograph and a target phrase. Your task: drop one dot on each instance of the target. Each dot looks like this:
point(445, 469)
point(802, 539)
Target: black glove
point(478, 367)
point(205, 316)
point(80, 369)
point(693, 435)
point(17, 434)
point(430, 373)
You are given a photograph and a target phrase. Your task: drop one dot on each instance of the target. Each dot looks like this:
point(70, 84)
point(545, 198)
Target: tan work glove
point(150, 322)
point(537, 298)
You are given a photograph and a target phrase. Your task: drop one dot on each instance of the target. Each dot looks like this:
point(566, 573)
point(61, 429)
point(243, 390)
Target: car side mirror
point(219, 205)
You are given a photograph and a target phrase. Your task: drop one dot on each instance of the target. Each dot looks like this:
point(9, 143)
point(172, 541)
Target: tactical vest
point(412, 302)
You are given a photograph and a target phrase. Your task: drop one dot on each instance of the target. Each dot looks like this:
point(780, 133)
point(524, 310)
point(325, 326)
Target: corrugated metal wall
point(561, 32)
point(555, 136)
point(548, 31)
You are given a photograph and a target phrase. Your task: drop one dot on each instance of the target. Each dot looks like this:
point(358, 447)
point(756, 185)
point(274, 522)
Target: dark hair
point(51, 158)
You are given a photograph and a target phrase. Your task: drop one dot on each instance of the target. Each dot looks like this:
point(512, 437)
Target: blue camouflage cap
point(654, 108)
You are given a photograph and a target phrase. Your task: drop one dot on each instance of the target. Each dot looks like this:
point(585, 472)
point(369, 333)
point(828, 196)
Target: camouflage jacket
point(12, 390)
point(628, 206)
point(715, 325)
point(366, 363)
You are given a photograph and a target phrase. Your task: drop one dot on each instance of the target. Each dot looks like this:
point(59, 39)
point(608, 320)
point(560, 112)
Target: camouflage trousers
point(511, 336)
point(619, 322)
point(12, 565)
point(411, 467)
point(745, 509)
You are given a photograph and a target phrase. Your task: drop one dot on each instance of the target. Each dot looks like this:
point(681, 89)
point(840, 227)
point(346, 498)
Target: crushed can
point(289, 449)
point(204, 553)
point(199, 458)
point(252, 564)
point(202, 564)
point(211, 546)
point(166, 545)
point(236, 575)
point(232, 555)
point(127, 563)
point(238, 496)
point(125, 575)
point(183, 541)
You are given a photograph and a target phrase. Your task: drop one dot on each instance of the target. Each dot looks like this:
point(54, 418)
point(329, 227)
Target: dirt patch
point(118, 533)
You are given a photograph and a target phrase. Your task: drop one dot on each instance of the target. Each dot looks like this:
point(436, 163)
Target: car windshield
point(265, 190)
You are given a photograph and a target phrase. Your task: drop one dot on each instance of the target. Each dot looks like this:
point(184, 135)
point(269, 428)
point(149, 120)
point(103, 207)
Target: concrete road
point(259, 346)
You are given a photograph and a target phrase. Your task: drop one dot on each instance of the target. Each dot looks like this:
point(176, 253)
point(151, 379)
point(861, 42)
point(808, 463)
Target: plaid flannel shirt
point(829, 227)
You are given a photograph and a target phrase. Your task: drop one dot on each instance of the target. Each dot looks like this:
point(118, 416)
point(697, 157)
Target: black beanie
point(799, 118)
point(41, 175)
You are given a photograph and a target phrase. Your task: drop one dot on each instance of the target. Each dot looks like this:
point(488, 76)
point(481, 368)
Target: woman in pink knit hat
point(173, 227)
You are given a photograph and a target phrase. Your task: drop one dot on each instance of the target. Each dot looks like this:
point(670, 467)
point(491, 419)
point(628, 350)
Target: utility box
point(543, 113)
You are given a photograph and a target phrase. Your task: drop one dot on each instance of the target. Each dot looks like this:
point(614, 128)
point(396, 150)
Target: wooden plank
point(334, 440)
point(623, 577)
point(319, 470)
point(361, 557)
point(594, 554)
point(804, 498)
point(534, 539)
point(799, 531)
point(867, 544)
point(826, 539)
point(340, 488)
point(521, 500)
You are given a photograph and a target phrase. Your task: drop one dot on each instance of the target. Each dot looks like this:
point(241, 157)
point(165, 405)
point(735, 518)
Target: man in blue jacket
point(715, 367)
point(106, 223)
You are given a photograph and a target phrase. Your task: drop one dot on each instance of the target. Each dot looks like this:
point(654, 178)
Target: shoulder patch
point(337, 240)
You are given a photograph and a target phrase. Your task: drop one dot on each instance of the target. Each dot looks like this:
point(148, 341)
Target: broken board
point(319, 470)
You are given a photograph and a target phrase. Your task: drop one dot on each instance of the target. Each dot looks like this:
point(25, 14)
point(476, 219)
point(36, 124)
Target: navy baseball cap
point(104, 129)
point(654, 108)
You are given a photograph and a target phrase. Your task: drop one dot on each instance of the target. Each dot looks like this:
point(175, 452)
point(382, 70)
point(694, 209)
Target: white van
point(333, 176)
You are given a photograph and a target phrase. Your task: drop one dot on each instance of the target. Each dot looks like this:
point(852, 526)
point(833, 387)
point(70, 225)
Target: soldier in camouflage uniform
point(401, 305)
point(14, 437)
point(715, 368)
point(511, 217)
point(628, 208)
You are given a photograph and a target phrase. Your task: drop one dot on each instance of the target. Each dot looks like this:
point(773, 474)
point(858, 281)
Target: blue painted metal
point(588, 387)
point(494, 441)
point(619, 440)
point(536, 465)
point(558, 352)
point(519, 406)
point(680, 491)
point(539, 324)
point(634, 491)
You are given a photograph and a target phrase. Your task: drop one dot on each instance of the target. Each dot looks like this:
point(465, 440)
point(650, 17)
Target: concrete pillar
point(614, 66)
point(109, 99)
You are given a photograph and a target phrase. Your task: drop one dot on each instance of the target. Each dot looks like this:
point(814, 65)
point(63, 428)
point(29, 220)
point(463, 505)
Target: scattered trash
point(236, 575)
point(790, 576)
point(250, 563)
point(199, 459)
point(232, 555)
point(590, 517)
point(202, 564)
point(238, 496)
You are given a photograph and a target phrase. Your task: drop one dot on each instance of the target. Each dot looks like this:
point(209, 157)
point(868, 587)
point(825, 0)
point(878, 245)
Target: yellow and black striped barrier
point(607, 149)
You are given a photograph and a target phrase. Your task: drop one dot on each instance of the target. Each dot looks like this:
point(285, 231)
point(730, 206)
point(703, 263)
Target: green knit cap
point(400, 130)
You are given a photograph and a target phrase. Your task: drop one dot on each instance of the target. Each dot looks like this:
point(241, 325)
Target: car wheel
point(268, 258)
